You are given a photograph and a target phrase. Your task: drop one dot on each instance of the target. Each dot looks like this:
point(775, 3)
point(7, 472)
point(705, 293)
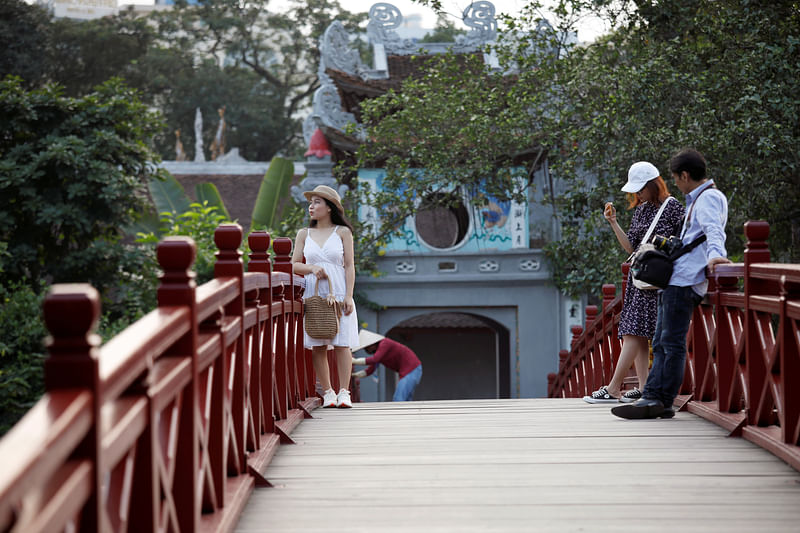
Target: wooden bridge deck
point(519, 465)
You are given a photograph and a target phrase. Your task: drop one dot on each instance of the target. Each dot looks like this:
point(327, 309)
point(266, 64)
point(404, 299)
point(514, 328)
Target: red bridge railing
point(170, 424)
point(743, 362)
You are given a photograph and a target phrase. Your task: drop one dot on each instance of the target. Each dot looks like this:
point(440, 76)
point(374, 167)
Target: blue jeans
point(404, 392)
point(675, 307)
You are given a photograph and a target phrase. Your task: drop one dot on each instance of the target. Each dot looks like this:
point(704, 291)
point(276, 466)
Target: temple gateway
point(467, 287)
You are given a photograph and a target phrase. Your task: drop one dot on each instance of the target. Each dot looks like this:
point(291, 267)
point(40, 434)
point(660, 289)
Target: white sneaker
point(329, 399)
point(343, 399)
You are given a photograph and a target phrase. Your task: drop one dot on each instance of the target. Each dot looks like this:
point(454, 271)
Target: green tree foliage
point(21, 351)
point(457, 122)
point(722, 77)
point(259, 63)
point(198, 221)
point(72, 173)
point(84, 54)
point(24, 39)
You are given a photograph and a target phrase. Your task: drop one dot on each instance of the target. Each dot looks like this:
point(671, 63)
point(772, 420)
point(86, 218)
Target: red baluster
point(594, 367)
point(610, 350)
point(576, 333)
point(757, 371)
point(282, 246)
point(228, 238)
point(259, 260)
point(789, 384)
point(728, 343)
point(591, 315)
point(177, 288)
point(259, 242)
point(71, 312)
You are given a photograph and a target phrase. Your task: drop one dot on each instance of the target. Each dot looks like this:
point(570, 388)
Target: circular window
point(442, 220)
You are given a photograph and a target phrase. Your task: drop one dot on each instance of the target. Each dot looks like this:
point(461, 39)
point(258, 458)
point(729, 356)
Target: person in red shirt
point(394, 356)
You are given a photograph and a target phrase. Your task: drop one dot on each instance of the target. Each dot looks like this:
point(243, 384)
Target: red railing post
point(610, 351)
point(789, 385)
point(594, 374)
point(577, 372)
point(728, 346)
point(228, 238)
point(759, 410)
point(177, 287)
point(71, 312)
point(259, 242)
point(563, 380)
point(282, 246)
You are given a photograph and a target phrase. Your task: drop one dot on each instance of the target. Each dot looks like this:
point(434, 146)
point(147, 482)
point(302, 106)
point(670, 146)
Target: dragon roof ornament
point(385, 18)
point(337, 53)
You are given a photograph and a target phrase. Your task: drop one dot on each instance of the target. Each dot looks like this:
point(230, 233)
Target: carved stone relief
point(336, 53)
point(385, 18)
point(328, 110)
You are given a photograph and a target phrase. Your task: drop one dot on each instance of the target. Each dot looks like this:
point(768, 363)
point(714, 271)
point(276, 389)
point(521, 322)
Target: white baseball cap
point(639, 174)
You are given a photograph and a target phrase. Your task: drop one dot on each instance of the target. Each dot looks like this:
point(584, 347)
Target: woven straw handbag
point(322, 314)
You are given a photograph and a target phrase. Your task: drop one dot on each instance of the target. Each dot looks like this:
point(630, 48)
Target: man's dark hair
point(691, 161)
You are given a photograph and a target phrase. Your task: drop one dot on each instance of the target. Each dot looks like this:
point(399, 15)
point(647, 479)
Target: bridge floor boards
point(519, 465)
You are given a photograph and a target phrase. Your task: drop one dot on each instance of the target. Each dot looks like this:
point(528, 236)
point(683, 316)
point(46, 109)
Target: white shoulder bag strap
point(652, 226)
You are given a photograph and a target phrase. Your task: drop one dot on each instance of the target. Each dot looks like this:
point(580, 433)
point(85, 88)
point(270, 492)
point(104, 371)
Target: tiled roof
point(353, 90)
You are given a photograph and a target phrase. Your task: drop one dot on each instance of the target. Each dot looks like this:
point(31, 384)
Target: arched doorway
point(464, 356)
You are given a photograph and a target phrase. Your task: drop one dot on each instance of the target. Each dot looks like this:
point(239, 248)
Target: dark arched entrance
point(463, 356)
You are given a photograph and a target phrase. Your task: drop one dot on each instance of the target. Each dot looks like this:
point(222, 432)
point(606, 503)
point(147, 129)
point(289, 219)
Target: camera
point(668, 245)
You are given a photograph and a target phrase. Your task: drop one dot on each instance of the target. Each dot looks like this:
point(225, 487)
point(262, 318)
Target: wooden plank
point(519, 465)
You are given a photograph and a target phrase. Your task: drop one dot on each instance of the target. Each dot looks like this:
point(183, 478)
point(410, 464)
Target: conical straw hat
point(367, 338)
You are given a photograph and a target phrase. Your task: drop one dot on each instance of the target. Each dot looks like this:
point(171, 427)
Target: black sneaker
point(631, 396)
point(601, 395)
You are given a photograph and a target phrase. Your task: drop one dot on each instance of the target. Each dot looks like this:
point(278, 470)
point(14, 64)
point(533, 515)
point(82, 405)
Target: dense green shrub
point(21, 351)
point(73, 172)
point(199, 223)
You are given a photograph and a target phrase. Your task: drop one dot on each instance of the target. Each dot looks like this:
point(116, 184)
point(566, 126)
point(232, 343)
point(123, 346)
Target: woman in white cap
point(647, 193)
point(327, 247)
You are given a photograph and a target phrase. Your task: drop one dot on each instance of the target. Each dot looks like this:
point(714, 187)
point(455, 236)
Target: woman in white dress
point(327, 247)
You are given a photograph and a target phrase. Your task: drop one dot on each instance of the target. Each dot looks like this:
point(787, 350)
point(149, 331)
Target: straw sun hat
point(367, 338)
point(323, 191)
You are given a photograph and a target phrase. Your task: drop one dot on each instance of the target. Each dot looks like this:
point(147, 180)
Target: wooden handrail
point(743, 359)
point(171, 423)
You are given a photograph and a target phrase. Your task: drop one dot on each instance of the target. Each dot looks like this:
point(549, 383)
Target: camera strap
point(688, 248)
point(699, 240)
point(689, 216)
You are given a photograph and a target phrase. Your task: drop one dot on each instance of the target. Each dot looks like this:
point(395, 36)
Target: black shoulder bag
point(654, 266)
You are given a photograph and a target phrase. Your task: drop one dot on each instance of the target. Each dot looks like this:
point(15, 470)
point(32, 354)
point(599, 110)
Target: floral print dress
point(639, 309)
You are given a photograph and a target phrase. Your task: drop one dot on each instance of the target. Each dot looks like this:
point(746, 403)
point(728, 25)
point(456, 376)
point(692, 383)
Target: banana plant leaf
point(274, 186)
point(168, 195)
point(207, 192)
point(148, 222)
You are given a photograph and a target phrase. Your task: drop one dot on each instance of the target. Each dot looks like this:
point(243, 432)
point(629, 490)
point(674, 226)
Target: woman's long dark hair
point(337, 217)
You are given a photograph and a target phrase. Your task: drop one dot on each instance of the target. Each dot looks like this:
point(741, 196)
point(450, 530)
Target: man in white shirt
point(706, 214)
